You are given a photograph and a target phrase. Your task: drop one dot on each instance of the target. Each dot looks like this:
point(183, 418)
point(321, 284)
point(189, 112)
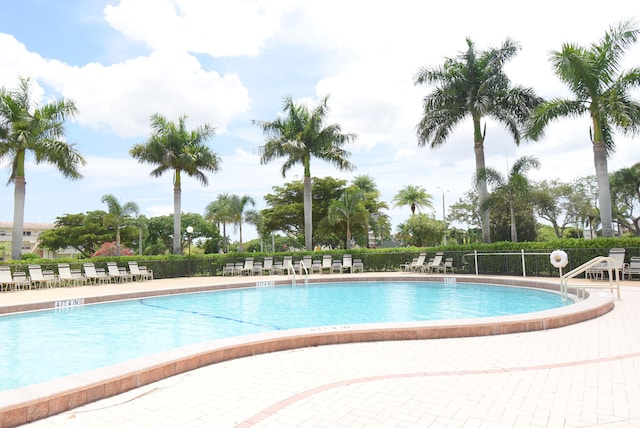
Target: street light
point(189, 236)
point(443, 216)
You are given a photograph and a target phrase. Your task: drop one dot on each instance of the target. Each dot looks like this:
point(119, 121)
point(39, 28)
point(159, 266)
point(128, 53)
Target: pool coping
point(30, 403)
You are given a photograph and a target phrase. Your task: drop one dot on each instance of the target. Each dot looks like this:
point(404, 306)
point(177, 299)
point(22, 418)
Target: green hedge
point(383, 259)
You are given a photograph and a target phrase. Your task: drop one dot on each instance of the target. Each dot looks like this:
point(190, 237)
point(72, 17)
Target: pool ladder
point(288, 265)
point(605, 263)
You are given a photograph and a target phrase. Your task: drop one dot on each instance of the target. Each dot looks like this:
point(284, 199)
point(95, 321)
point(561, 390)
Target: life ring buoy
point(559, 258)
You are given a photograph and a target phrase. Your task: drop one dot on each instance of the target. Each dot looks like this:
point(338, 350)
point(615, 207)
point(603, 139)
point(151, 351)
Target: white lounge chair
point(92, 275)
point(287, 265)
point(67, 277)
point(37, 279)
point(303, 264)
point(116, 275)
point(633, 268)
point(598, 271)
point(316, 266)
point(247, 268)
point(327, 263)
point(267, 266)
point(347, 263)
point(139, 273)
point(10, 282)
point(416, 264)
point(435, 265)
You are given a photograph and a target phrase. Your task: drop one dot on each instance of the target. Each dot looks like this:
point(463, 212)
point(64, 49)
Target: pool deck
point(580, 375)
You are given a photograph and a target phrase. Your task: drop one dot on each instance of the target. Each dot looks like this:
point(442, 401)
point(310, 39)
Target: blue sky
point(230, 62)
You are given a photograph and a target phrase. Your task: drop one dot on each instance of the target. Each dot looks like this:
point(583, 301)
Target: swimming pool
point(39, 346)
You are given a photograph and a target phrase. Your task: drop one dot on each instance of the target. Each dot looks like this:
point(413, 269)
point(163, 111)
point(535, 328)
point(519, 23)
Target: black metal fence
point(519, 263)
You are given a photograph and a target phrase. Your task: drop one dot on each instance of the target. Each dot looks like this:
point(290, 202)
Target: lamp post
point(189, 236)
point(443, 217)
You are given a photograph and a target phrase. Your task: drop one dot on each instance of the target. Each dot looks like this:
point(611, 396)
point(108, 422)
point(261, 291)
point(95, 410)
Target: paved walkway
point(582, 375)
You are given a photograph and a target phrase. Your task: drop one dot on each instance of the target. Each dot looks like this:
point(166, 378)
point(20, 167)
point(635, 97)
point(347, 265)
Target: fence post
point(524, 265)
point(475, 256)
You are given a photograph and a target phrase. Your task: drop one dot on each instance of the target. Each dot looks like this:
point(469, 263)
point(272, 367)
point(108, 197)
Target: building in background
point(30, 241)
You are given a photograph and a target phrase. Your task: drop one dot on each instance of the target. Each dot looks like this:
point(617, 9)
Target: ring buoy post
point(559, 259)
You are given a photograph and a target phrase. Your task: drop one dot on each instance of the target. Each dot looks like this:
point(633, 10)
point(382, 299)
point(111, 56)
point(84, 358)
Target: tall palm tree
point(474, 84)
point(174, 148)
point(513, 188)
point(600, 90)
point(219, 211)
point(300, 134)
point(378, 221)
point(413, 196)
point(348, 209)
point(26, 127)
point(238, 205)
point(119, 215)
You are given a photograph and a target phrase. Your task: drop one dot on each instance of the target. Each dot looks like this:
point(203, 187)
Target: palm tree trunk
point(348, 236)
point(604, 192)
point(240, 246)
point(117, 240)
point(308, 225)
point(177, 202)
point(483, 193)
point(514, 231)
point(18, 217)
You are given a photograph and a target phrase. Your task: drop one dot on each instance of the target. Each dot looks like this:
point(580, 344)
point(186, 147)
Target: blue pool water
point(38, 346)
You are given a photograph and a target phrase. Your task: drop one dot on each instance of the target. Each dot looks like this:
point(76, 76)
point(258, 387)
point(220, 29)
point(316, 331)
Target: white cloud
point(216, 28)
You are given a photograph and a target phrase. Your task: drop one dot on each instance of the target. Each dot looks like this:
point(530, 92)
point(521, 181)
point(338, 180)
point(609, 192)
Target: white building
point(30, 240)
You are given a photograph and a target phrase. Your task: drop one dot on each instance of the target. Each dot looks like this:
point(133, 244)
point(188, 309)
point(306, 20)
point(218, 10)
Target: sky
point(228, 63)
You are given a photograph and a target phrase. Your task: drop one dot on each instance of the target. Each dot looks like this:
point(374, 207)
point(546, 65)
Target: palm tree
point(601, 90)
point(298, 136)
point(26, 127)
point(348, 209)
point(513, 188)
point(119, 215)
point(238, 205)
point(414, 197)
point(220, 211)
point(474, 85)
point(174, 148)
point(378, 221)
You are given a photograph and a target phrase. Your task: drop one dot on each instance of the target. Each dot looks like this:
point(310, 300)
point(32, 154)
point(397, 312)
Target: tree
point(551, 200)
point(378, 221)
point(414, 197)
point(83, 232)
point(423, 230)
point(474, 85)
point(285, 211)
point(238, 205)
point(512, 189)
point(347, 210)
point(466, 211)
point(220, 211)
point(172, 147)
point(119, 215)
point(26, 128)
point(601, 91)
point(625, 188)
point(583, 201)
point(161, 233)
point(298, 136)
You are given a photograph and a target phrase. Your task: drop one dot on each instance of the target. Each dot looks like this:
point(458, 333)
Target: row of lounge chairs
point(433, 265)
point(66, 276)
point(308, 264)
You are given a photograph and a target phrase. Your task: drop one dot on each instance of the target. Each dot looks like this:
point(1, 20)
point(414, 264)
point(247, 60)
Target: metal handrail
point(611, 267)
point(306, 271)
